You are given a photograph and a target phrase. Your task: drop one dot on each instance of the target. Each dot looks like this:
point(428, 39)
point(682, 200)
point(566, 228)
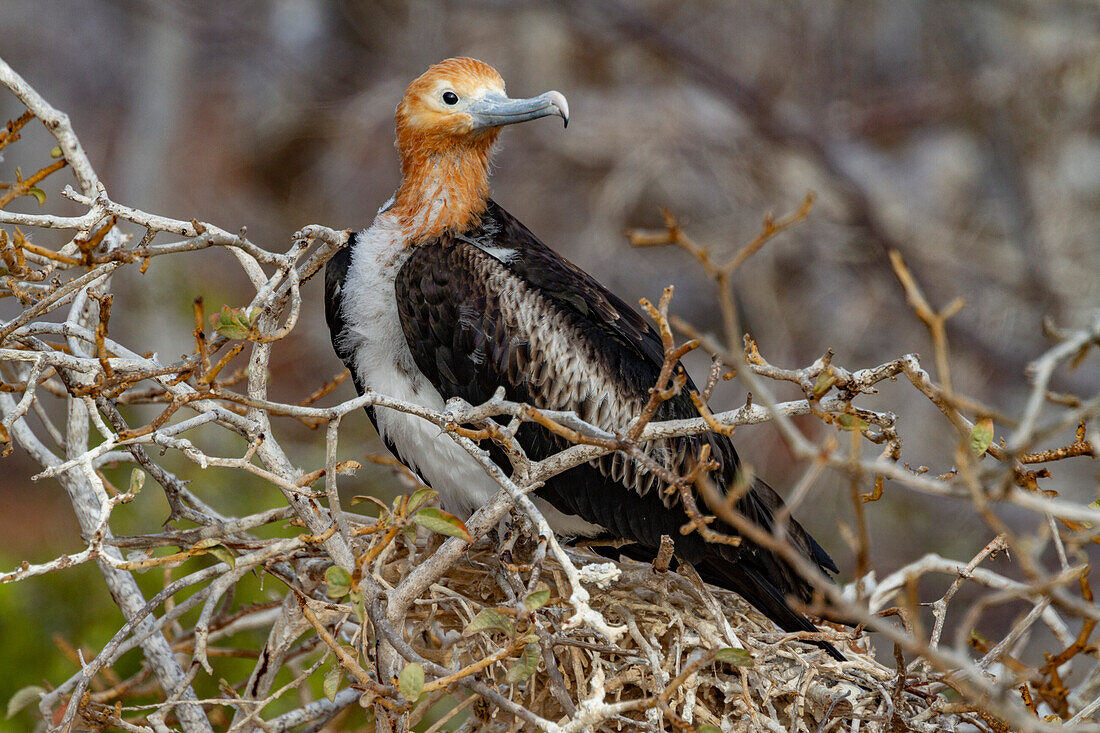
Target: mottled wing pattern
point(496, 307)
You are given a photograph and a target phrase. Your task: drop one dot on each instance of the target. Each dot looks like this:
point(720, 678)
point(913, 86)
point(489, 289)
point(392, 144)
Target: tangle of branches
point(419, 620)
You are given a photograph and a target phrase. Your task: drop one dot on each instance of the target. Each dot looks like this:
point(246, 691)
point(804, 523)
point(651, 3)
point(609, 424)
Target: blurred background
point(964, 134)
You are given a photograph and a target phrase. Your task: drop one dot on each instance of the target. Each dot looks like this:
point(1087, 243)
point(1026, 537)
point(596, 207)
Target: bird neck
point(444, 188)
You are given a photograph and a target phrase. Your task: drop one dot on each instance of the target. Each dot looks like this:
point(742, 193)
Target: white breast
point(383, 362)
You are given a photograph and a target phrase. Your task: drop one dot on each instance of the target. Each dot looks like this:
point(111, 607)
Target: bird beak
point(495, 109)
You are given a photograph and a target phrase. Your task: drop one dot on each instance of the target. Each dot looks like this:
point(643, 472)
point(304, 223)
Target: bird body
point(447, 295)
point(373, 342)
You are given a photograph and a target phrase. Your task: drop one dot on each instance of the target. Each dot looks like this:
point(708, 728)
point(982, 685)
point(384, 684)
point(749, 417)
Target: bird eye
point(450, 97)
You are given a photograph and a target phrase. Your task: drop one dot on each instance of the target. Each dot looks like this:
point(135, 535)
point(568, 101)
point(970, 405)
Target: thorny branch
point(395, 618)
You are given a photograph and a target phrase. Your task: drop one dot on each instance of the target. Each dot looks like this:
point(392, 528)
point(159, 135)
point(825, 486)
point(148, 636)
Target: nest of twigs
point(689, 656)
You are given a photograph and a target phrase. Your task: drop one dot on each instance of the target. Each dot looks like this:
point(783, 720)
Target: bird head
point(461, 102)
point(447, 123)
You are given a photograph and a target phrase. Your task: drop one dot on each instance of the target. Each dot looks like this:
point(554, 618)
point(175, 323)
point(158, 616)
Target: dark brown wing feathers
point(496, 307)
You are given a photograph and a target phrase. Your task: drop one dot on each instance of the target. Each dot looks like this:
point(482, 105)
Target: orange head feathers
point(447, 123)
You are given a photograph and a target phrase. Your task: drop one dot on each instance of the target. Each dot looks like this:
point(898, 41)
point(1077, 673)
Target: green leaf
point(420, 498)
point(211, 546)
point(537, 599)
point(981, 436)
point(441, 522)
point(224, 554)
point(357, 605)
point(736, 657)
point(824, 383)
point(411, 681)
point(331, 685)
point(339, 581)
point(490, 618)
point(236, 323)
point(525, 666)
point(851, 422)
point(56, 151)
point(38, 193)
point(708, 729)
point(409, 530)
point(23, 698)
point(137, 480)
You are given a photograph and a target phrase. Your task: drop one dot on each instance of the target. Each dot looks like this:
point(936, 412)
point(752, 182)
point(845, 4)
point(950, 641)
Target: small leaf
point(490, 618)
point(205, 544)
point(708, 729)
point(38, 193)
point(56, 151)
point(235, 323)
point(411, 681)
point(420, 498)
point(525, 666)
point(339, 581)
point(441, 522)
point(409, 530)
point(347, 466)
point(23, 698)
point(224, 554)
point(824, 383)
point(361, 499)
point(851, 422)
point(537, 599)
point(331, 685)
point(736, 657)
point(981, 436)
point(357, 605)
point(137, 480)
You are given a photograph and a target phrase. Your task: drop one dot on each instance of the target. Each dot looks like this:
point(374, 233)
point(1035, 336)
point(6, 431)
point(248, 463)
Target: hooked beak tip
point(557, 99)
point(497, 110)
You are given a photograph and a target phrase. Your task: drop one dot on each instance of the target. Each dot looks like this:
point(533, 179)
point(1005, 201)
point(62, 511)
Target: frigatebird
point(447, 295)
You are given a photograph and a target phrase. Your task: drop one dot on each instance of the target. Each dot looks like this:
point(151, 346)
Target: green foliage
point(411, 681)
point(441, 522)
point(490, 618)
point(981, 436)
point(236, 323)
point(736, 657)
point(333, 678)
point(339, 582)
point(537, 599)
point(526, 665)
